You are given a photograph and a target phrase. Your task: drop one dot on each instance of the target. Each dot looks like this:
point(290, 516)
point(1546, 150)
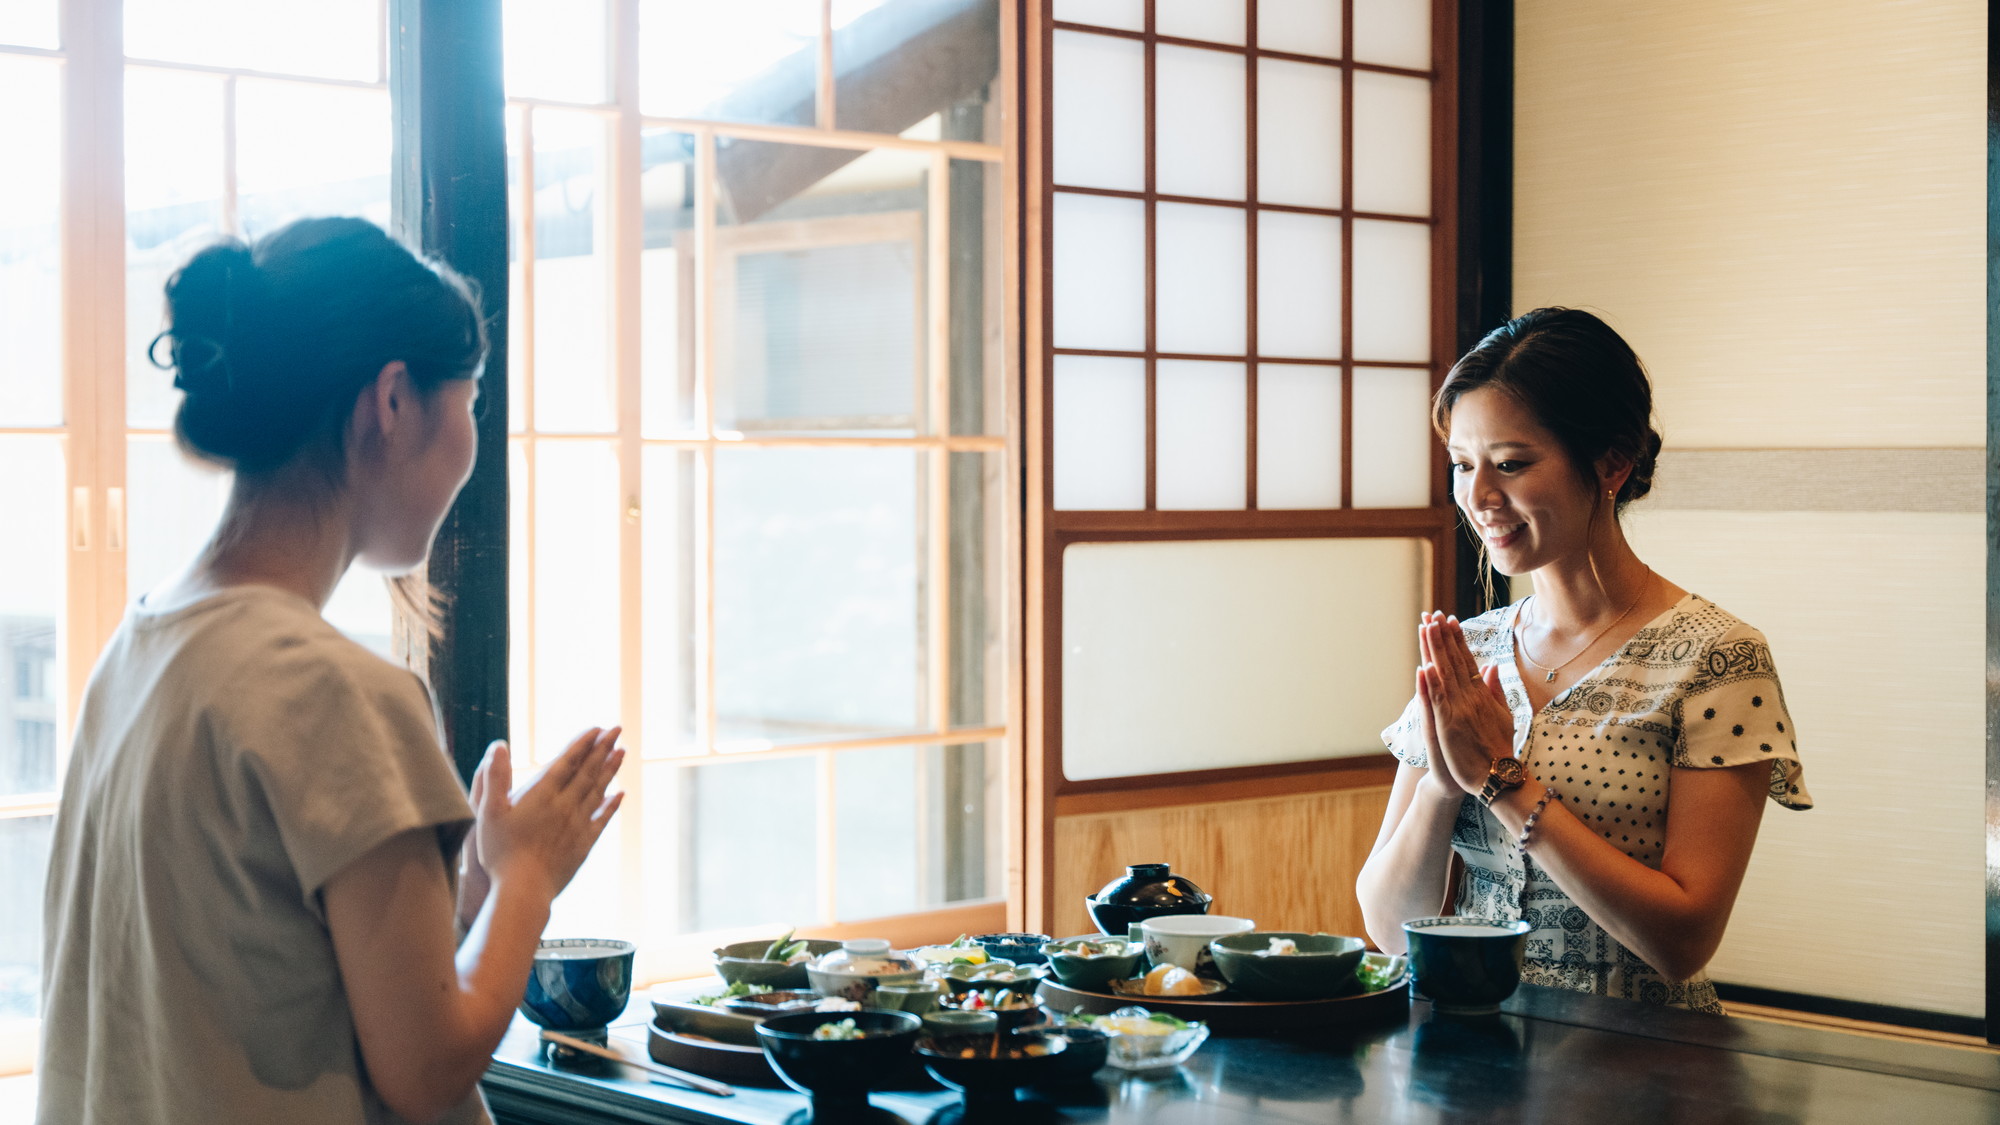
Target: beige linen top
point(231, 756)
point(1695, 688)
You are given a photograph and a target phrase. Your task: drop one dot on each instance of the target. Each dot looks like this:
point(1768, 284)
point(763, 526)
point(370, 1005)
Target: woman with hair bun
point(263, 856)
point(1598, 754)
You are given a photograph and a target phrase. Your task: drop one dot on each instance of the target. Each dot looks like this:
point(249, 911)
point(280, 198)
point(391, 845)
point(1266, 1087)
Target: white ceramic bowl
point(1182, 939)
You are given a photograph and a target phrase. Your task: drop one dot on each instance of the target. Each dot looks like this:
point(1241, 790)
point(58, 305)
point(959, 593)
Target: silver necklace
point(1521, 635)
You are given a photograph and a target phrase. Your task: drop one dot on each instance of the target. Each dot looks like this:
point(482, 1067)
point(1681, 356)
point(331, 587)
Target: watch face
point(1509, 771)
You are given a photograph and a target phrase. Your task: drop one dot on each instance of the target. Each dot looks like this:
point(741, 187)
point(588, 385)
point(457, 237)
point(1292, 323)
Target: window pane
point(30, 271)
point(1100, 272)
point(1393, 442)
point(1127, 14)
point(574, 540)
point(1392, 290)
point(749, 832)
point(573, 386)
point(899, 63)
point(24, 863)
point(672, 658)
point(820, 289)
point(1393, 32)
point(1301, 27)
point(170, 510)
point(819, 631)
point(978, 586)
point(173, 207)
point(555, 49)
point(1218, 21)
point(360, 607)
point(1298, 133)
point(309, 150)
point(30, 23)
point(666, 284)
point(1298, 285)
point(910, 829)
point(1100, 111)
point(1298, 436)
point(1201, 292)
point(1198, 133)
point(1392, 144)
point(518, 216)
point(32, 690)
point(746, 60)
point(324, 39)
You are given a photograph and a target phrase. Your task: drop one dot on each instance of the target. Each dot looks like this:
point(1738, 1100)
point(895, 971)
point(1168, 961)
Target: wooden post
point(448, 194)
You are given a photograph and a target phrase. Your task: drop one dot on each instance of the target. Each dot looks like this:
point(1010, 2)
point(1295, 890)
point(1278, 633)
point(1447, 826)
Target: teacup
point(1466, 965)
point(1182, 939)
point(579, 984)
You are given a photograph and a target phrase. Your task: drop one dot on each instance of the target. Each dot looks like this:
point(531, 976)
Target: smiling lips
point(1501, 535)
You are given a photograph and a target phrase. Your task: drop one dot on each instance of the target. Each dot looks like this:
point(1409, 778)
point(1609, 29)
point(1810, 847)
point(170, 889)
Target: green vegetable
point(738, 988)
point(777, 948)
point(1375, 978)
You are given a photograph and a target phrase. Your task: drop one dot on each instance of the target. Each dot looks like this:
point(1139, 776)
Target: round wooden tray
point(729, 1062)
point(1227, 1016)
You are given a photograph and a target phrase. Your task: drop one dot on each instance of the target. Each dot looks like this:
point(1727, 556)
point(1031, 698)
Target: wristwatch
point(1506, 773)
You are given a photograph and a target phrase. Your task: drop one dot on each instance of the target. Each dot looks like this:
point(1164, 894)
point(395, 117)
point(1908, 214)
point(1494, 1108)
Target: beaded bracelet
point(1528, 826)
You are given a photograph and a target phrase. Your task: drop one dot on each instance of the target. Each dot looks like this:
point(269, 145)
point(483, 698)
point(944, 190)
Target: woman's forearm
point(1404, 877)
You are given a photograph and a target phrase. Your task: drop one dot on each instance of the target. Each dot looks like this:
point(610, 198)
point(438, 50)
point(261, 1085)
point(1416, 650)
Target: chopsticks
point(659, 1073)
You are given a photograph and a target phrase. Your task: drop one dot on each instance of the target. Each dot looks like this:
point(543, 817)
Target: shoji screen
point(1242, 209)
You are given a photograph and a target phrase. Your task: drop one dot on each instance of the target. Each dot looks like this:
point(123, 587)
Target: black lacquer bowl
point(837, 1074)
point(1147, 890)
point(992, 1067)
point(1465, 965)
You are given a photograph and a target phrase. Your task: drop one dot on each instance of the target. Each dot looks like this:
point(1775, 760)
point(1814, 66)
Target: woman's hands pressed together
point(1464, 714)
point(542, 831)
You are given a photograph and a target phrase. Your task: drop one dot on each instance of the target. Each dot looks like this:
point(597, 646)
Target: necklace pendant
point(1550, 678)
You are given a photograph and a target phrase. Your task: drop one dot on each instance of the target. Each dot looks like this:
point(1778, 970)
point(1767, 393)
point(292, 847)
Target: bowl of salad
point(836, 1058)
point(779, 964)
point(1092, 963)
point(1267, 965)
point(995, 974)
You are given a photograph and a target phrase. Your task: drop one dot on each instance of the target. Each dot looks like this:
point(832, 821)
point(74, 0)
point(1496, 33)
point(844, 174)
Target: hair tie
point(200, 365)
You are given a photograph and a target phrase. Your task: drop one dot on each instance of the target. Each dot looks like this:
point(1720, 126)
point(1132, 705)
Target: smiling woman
point(1553, 787)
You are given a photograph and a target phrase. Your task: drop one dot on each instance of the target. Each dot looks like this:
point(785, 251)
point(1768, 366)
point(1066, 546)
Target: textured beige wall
point(1782, 206)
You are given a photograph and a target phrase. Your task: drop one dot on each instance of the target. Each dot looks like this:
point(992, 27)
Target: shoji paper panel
point(1393, 32)
point(1301, 27)
point(1100, 432)
point(1392, 290)
point(1874, 623)
point(1298, 285)
point(1199, 138)
point(1393, 441)
point(1298, 133)
point(1298, 436)
point(1100, 272)
point(1392, 144)
point(1781, 206)
point(1217, 21)
point(1127, 14)
point(1200, 462)
point(1202, 300)
point(1199, 655)
point(1100, 111)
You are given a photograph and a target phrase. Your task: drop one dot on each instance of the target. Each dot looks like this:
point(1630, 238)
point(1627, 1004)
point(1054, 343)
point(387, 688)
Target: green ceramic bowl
point(744, 961)
point(979, 978)
point(1095, 972)
point(1323, 966)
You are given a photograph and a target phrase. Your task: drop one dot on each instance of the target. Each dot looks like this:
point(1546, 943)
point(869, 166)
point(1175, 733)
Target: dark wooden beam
point(448, 194)
point(1485, 215)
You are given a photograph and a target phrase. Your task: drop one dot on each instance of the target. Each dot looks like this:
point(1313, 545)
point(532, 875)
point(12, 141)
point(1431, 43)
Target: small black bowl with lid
point(1147, 890)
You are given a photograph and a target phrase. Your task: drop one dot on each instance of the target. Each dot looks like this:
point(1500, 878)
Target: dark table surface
point(1551, 1056)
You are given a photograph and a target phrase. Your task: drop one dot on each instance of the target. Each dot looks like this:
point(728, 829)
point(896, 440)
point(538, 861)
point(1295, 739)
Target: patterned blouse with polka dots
point(1694, 689)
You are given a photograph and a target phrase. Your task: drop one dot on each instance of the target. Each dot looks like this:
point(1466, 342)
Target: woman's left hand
point(1465, 706)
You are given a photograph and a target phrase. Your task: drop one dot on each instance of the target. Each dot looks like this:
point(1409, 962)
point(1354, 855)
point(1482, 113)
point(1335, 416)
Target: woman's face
point(1515, 484)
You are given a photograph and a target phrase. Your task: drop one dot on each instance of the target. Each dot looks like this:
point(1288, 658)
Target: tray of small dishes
point(1270, 982)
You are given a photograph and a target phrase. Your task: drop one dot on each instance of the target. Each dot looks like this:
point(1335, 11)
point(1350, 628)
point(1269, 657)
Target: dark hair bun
point(1645, 462)
point(272, 343)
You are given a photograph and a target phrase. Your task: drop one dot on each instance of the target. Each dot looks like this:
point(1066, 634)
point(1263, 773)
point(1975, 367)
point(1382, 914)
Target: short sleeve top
point(231, 756)
point(1695, 688)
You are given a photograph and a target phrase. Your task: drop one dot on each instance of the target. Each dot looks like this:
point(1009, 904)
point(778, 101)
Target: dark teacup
point(1465, 965)
point(579, 984)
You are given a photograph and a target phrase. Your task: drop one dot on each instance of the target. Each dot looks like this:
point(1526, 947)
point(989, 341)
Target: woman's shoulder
point(1491, 634)
point(266, 643)
point(1694, 620)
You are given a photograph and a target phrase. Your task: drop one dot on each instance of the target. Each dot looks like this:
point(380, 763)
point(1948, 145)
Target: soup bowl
point(837, 1074)
point(1182, 939)
point(579, 984)
point(1321, 966)
point(1466, 965)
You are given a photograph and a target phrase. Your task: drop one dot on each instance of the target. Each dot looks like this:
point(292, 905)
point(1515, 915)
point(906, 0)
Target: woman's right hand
point(542, 831)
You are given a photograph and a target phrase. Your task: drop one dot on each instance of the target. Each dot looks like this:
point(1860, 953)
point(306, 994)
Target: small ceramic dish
point(1136, 989)
point(915, 999)
point(1021, 949)
point(1093, 962)
point(1268, 965)
point(860, 966)
point(994, 975)
point(1012, 1009)
point(744, 961)
point(950, 1021)
point(770, 1003)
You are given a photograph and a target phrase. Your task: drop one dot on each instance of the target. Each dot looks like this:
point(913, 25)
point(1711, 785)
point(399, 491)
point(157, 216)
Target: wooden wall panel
point(1289, 862)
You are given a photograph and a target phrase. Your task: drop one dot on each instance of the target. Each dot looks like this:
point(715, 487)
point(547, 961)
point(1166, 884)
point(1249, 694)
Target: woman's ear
point(1613, 470)
point(385, 405)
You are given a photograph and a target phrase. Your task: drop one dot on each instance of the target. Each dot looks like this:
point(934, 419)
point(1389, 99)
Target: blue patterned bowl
point(579, 984)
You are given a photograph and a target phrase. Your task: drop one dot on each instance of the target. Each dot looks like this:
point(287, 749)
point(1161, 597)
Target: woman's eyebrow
point(1492, 446)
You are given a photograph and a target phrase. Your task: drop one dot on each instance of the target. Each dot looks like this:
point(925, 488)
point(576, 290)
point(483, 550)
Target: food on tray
point(1011, 1051)
point(739, 988)
point(839, 1029)
point(786, 950)
point(1376, 977)
point(989, 1001)
point(1147, 1040)
point(1280, 947)
point(1000, 973)
point(1153, 1023)
point(1172, 980)
point(962, 951)
point(1111, 947)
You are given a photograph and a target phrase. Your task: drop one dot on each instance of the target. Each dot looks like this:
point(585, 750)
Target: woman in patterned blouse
point(1648, 722)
